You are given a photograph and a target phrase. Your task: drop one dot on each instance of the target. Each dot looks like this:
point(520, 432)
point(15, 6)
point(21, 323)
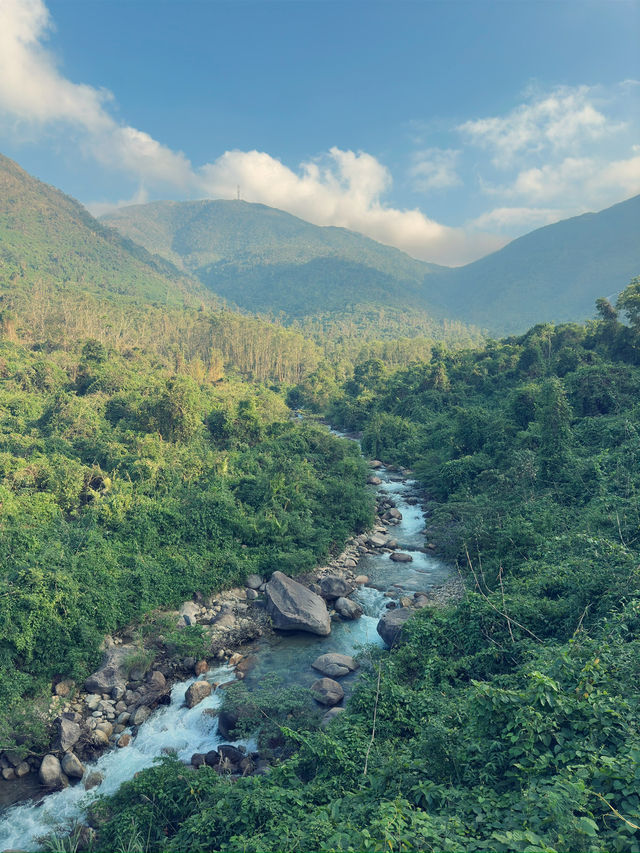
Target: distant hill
point(49, 238)
point(266, 260)
point(553, 274)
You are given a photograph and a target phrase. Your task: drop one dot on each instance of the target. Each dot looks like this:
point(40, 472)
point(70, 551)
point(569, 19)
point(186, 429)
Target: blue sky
point(444, 128)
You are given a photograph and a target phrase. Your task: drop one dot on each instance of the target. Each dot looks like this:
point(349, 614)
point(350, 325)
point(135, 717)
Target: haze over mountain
point(267, 260)
point(552, 274)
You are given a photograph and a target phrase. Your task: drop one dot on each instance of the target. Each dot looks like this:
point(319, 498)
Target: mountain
point(267, 260)
point(66, 278)
point(49, 238)
point(553, 274)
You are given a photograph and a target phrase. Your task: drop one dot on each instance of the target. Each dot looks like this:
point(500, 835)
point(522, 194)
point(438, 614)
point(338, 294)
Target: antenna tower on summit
point(238, 192)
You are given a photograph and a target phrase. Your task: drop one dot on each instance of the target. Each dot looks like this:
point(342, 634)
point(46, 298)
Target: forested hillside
point(48, 238)
point(268, 261)
point(324, 280)
point(126, 485)
point(553, 274)
point(509, 721)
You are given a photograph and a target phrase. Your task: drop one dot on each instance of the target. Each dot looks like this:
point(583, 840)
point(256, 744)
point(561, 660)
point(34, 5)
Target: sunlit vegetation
point(509, 721)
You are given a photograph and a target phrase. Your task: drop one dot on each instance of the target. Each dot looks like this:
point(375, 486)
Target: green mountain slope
point(47, 237)
point(552, 274)
point(267, 260)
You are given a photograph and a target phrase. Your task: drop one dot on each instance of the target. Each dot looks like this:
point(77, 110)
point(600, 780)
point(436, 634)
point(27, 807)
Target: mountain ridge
point(270, 261)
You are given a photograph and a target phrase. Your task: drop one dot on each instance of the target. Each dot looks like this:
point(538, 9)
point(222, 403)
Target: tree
point(555, 429)
point(176, 414)
point(629, 302)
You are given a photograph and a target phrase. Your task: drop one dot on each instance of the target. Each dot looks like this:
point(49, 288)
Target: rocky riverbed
point(308, 625)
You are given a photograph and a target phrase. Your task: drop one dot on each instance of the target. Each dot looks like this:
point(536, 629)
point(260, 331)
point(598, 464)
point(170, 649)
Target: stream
point(182, 731)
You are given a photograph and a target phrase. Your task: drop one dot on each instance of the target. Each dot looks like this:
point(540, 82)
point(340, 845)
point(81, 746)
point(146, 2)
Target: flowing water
point(174, 728)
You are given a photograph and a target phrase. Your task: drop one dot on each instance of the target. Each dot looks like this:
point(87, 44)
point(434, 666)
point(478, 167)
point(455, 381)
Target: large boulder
point(254, 582)
point(377, 540)
point(293, 607)
point(112, 674)
point(326, 691)
point(196, 692)
point(72, 766)
point(68, 734)
point(51, 775)
point(335, 665)
point(401, 557)
point(188, 614)
point(333, 586)
point(347, 608)
point(231, 753)
point(390, 625)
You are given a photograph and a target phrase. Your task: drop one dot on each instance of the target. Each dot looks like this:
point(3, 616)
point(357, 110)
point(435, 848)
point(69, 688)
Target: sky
point(443, 128)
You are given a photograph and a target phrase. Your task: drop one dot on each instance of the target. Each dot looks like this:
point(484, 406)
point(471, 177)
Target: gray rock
point(377, 540)
point(372, 480)
point(226, 619)
point(143, 713)
point(68, 734)
point(51, 775)
point(333, 586)
point(189, 612)
point(390, 625)
point(72, 766)
point(105, 727)
point(327, 691)
point(401, 557)
point(375, 463)
point(8, 774)
point(100, 739)
point(157, 681)
point(93, 780)
point(251, 594)
point(334, 665)
point(254, 581)
point(13, 757)
point(22, 769)
point(331, 714)
point(231, 753)
point(112, 673)
point(293, 607)
point(348, 609)
point(196, 692)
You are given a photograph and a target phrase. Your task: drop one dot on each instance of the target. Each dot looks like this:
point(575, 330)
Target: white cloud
point(558, 155)
point(34, 92)
point(345, 189)
point(578, 183)
point(342, 188)
point(515, 218)
point(435, 169)
point(558, 121)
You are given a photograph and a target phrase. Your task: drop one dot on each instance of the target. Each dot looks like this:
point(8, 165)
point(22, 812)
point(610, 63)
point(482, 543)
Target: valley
point(168, 485)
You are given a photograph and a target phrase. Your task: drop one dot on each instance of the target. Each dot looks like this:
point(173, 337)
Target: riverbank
point(108, 715)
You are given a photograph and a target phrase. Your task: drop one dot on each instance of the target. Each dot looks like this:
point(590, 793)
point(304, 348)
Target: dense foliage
point(126, 486)
point(511, 720)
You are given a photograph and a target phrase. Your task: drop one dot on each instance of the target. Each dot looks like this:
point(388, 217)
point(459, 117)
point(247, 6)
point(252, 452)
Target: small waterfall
point(171, 728)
